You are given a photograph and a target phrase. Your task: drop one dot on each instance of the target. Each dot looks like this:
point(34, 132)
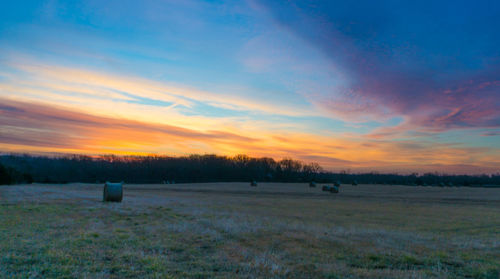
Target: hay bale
point(113, 192)
point(312, 184)
point(334, 189)
point(253, 183)
point(354, 183)
point(325, 188)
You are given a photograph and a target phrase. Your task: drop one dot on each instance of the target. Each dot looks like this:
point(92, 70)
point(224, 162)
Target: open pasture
point(228, 230)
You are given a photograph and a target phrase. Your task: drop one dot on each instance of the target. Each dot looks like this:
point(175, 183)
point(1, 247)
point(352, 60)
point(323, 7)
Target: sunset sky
point(366, 85)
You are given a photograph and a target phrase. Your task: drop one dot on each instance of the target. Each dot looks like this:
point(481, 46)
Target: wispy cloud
point(491, 134)
point(436, 65)
point(43, 126)
point(35, 79)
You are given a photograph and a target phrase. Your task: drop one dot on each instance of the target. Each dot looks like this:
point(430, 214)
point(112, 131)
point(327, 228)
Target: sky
point(388, 86)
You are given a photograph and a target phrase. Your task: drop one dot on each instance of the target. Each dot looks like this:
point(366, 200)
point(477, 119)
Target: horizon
point(323, 170)
point(378, 87)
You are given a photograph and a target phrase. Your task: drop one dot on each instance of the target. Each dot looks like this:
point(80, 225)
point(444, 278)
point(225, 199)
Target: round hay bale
point(113, 192)
point(354, 183)
point(325, 188)
point(253, 183)
point(312, 184)
point(334, 189)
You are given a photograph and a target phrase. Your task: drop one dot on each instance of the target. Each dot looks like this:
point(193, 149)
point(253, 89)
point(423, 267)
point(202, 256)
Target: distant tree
point(5, 177)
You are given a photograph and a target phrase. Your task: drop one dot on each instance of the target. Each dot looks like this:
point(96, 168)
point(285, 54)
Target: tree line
point(16, 168)
point(9, 175)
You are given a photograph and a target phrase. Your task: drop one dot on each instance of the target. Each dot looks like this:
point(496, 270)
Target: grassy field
point(230, 230)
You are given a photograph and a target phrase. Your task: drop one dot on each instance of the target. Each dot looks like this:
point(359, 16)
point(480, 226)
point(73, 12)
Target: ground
point(232, 230)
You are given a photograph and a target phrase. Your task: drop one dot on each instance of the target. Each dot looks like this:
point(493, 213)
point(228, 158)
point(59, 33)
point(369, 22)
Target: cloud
point(43, 126)
point(38, 127)
point(41, 80)
point(437, 65)
point(491, 134)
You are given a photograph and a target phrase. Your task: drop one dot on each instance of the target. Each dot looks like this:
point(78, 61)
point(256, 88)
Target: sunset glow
point(320, 83)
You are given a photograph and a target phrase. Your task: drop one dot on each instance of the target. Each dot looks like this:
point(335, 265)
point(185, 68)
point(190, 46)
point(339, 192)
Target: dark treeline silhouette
point(9, 175)
point(155, 169)
point(201, 168)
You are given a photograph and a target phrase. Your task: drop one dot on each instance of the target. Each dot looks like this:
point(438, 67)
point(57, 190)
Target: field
point(232, 230)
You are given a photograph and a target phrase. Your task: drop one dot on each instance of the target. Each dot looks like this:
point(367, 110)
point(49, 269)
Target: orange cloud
point(37, 127)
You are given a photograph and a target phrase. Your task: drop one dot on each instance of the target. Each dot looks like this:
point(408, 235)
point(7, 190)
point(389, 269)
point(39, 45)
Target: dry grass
point(164, 232)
